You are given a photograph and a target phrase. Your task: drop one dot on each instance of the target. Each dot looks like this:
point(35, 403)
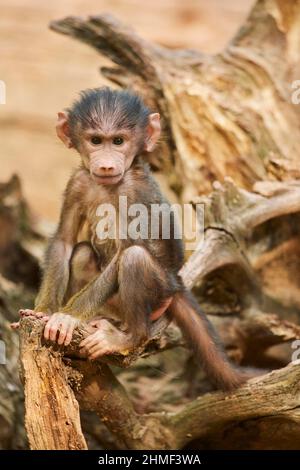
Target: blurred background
point(43, 72)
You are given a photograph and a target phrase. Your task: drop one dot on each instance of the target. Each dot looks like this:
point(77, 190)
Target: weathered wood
point(252, 417)
point(232, 217)
point(52, 416)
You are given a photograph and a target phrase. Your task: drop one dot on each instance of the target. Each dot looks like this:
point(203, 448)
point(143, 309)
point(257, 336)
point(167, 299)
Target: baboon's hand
point(60, 328)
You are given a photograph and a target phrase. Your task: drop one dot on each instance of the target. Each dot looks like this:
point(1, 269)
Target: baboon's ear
point(62, 129)
point(153, 132)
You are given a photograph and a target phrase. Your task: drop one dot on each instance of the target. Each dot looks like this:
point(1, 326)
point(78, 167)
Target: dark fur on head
point(104, 107)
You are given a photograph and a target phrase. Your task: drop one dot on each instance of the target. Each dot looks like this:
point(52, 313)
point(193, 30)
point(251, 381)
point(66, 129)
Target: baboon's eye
point(118, 141)
point(96, 140)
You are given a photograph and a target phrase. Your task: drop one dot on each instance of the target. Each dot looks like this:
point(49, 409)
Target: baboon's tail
point(204, 342)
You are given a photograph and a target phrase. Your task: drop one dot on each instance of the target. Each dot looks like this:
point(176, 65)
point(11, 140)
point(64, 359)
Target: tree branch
point(52, 416)
point(240, 419)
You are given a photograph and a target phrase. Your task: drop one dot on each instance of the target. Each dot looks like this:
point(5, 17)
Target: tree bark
point(52, 418)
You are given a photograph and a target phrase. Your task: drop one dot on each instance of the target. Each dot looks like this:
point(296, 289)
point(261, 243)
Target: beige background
point(43, 71)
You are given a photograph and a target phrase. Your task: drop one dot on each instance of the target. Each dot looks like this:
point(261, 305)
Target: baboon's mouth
point(107, 179)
